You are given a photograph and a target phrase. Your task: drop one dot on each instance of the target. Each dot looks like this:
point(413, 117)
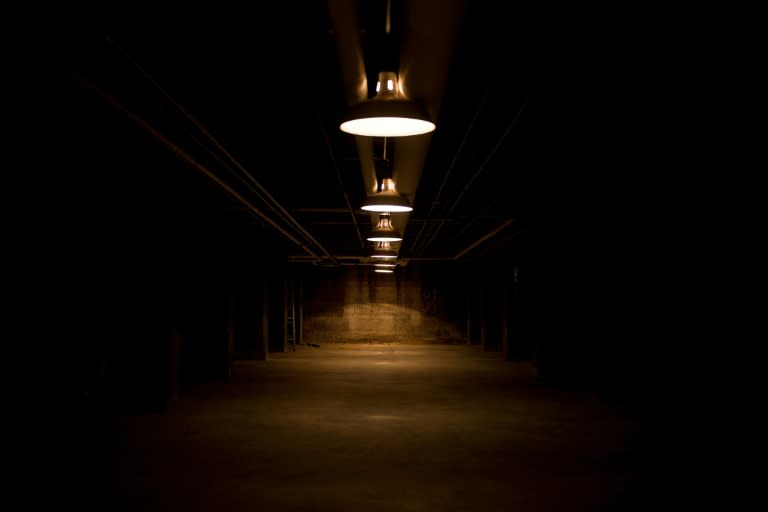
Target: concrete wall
point(355, 304)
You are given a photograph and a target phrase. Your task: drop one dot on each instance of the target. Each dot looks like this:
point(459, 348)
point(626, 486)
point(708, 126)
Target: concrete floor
point(394, 427)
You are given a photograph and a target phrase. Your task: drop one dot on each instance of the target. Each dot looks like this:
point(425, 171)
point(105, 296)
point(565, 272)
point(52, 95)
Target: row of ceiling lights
point(388, 114)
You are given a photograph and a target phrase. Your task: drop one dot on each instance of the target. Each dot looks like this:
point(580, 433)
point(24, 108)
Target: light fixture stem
point(385, 149)
point(388, 25)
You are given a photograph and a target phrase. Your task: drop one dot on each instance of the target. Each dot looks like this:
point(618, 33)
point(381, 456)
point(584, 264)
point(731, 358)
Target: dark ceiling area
point(217, 131)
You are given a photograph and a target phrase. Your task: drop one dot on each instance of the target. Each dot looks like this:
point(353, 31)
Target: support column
point(289, 316)
point(483, 320)
point(231, 303)
point(469, 316)
point(300, 314)
point(174, 367)
point(264, 341)
point(505, 322)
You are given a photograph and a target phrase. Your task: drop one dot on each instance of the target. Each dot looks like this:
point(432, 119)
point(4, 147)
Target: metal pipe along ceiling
point(250, 182)
point(186, 157)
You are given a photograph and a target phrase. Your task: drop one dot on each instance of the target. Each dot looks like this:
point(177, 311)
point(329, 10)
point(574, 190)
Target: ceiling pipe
point(491, 154)
point(459, 150)
point(501, 61)
point(471, 246)
point(529, 98)
point(477, 173)
point(499, 243)
point(340, 181)
point(194, 163)
point(482, 239)
point(220, 147)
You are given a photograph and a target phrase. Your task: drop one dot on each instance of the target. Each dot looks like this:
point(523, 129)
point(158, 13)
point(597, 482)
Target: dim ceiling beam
point(187, 158)
point(482, 239)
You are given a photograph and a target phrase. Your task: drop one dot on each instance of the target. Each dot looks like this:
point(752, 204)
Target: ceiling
point(215, 132)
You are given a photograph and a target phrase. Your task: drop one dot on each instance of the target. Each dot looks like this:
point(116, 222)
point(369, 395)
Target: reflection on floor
point(393, 427)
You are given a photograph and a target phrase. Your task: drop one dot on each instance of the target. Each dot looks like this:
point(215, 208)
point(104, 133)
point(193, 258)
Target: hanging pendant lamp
point(388, 114)
point(385, 231)
point(384, 250)
point(388, 199)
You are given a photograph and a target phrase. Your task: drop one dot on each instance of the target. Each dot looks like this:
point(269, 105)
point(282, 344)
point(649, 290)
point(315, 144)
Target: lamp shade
point(384, 251)
point(384, 231)
point(387, 200)
point(388, 114)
